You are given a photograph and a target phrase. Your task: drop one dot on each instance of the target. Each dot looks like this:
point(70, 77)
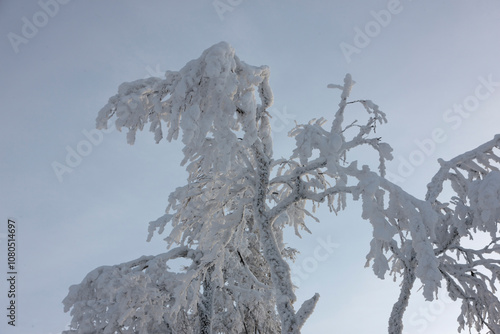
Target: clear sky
point(433, 67)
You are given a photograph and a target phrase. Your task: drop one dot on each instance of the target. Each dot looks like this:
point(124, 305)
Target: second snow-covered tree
point(228, 220)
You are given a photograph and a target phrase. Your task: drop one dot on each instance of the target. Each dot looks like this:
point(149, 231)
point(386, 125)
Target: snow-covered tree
point(228, 220)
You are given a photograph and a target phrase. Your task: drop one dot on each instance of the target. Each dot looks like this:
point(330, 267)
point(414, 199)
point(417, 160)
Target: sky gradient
point(433, 67)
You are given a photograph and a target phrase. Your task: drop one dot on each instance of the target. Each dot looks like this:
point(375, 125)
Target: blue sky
point(431, 66)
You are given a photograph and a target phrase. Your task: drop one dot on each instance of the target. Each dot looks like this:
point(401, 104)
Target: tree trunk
point(398, 310)
point(280, 271)
point(205, 307)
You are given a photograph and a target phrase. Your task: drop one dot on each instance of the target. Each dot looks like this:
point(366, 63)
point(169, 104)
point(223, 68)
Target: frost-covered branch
point(131, 297)
point(471, 272)
point(396, 318)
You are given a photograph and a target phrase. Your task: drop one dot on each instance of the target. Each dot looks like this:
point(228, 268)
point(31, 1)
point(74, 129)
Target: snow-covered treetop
point(212, 100)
